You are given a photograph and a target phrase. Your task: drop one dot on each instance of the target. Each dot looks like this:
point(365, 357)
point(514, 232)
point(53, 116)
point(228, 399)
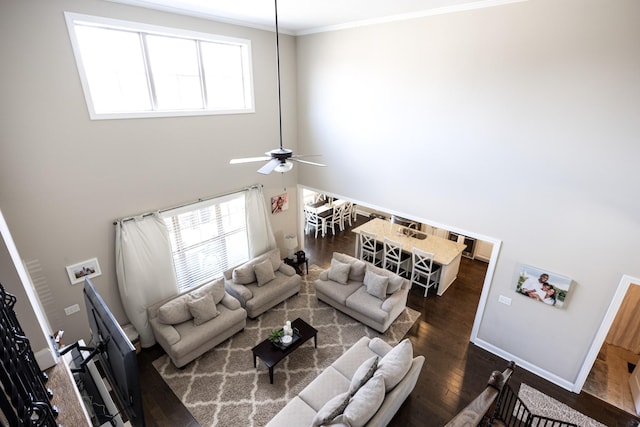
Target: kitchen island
point(446, 252)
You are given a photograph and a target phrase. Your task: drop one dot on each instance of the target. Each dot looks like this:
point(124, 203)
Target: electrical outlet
point(72, 309)
point(504, 300)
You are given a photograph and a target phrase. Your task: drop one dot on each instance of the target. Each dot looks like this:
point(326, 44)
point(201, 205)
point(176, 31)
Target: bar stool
point(370, 249)
point(395, 259)
point(423, 271)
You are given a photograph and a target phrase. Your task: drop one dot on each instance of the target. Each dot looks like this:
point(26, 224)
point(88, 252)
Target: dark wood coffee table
point(272, 355)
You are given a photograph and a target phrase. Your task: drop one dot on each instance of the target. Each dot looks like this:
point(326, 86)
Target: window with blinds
point(207, 238)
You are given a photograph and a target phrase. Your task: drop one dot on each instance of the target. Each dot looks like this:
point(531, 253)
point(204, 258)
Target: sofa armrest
point(397, 298)
point(230, 302)
point(379, 346)
point(286, 269)
point(239, 292)
point(165, 333)
point(324, 275)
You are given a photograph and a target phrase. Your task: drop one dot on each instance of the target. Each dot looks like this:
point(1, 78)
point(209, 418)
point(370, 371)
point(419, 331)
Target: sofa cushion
point(365, 403)
point(357, 266)
point(367, 305)
point(395, 281)
point(338, 293)
point(325, 386)
point(174, 311)
point(376, 284)
point(202, 309)
point(363, 374)
point(331, 409)
point(395, 364)
point(215, 288)
point(244, 274)
point(339, 271)
point(264, 272)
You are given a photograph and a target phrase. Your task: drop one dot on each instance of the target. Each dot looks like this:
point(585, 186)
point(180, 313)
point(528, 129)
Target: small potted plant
point(275, 335)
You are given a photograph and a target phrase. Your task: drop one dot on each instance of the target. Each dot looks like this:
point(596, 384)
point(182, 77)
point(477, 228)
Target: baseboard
point(520, 363)
point(45, 358)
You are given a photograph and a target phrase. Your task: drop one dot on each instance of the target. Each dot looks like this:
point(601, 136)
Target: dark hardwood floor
point(454, 373)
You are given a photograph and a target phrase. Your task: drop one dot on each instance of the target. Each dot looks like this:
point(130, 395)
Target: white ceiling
point(310, 16)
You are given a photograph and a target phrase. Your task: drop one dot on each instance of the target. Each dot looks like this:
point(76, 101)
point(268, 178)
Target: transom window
point(130, 69)
point(207, 238)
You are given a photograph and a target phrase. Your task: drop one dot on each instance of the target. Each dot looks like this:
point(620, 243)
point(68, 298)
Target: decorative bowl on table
point(286, 340)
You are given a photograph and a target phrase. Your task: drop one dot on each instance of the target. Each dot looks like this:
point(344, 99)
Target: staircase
point(498, 405)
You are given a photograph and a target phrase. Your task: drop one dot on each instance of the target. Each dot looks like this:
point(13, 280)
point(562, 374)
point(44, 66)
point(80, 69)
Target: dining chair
point(370, 249)
point(348, 212)
point(312, 219)
point(423, 270)
point(337, 218)
point(395, 259)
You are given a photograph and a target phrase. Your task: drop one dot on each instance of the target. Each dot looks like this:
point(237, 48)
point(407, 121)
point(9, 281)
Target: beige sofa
point(376, 303)
point(342, 395)
point(193, 322)
point(262, 283)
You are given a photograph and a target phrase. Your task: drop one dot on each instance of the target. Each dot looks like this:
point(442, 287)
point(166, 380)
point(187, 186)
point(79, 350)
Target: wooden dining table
point(446, 252)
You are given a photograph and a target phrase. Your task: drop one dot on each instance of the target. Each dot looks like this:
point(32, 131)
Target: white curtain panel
point(259, 229)
point(144, 268)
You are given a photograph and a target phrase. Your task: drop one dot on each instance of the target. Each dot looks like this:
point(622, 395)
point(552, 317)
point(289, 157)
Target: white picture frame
point(89, 268)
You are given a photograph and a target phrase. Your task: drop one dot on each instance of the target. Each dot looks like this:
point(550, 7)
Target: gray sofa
point(193, 322)
point(374, 303)
point(262, 283)
point(354, 380)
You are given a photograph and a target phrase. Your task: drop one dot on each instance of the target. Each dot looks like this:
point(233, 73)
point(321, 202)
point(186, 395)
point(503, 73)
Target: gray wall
point(518, 122)
point(65, 178)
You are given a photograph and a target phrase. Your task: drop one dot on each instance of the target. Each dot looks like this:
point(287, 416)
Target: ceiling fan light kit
point(278, 158)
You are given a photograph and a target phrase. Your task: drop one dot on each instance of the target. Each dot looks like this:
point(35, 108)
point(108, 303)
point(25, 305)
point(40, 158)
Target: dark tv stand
point(79, 358)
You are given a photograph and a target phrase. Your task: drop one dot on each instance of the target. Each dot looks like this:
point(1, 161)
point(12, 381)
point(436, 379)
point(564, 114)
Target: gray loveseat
point(193, 322)
point(376, 303)
point(262, 283)
point(365, 386)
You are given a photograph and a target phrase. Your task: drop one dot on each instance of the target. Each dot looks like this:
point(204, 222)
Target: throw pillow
point(174, 311)
point(244, 274)
point(365, 403)
point(395, 283)
point(356, 273)
point(264, 272)
point(376, 284)
point(215, 288)
point(363, 374)
point(395, 364)
point(339, 271)
point(202, 309)
point(334, 407)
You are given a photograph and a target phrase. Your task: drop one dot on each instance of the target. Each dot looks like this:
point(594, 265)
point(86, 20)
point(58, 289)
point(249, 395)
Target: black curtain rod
point(130, 218)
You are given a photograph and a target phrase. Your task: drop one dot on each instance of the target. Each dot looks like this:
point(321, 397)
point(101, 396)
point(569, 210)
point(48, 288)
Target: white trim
point(601, 335)
point(406, 16)
point(525, 365)
point(486, 287)
point(73, 18)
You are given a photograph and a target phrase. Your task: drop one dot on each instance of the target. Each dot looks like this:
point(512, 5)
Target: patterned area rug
point(222, 388)
point(543, 405)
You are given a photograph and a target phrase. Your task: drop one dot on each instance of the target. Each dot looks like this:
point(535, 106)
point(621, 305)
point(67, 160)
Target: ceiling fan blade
point(308, 162)
point(306, 155)
point(269, 167)
point(249, 160)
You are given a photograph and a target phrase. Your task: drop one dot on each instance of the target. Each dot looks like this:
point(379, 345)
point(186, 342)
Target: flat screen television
point(116, 354)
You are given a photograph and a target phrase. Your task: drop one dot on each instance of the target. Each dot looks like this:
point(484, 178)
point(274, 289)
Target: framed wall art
point(543, 286)
point(279, 203)
point(89, 268)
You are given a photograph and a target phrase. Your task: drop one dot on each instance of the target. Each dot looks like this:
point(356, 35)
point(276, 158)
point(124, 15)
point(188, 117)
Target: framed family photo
point(89, 268)
point(542, 285)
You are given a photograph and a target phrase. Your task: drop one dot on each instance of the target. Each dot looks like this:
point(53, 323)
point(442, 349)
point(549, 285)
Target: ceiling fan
point(279, 159)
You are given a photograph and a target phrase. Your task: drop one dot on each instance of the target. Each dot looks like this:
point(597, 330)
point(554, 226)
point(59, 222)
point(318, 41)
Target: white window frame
point(181, 251)
point(73, 18)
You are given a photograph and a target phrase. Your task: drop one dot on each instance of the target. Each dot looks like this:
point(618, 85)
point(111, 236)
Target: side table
point(297, 264)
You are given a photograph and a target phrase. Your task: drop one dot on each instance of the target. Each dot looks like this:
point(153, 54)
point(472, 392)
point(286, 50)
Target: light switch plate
point(504, 300)
point(72, 309)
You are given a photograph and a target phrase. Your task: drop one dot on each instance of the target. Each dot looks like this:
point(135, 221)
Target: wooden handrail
point(475, 411)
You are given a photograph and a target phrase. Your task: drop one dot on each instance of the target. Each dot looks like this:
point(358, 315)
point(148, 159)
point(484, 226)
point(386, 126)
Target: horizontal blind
point(207, 238)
